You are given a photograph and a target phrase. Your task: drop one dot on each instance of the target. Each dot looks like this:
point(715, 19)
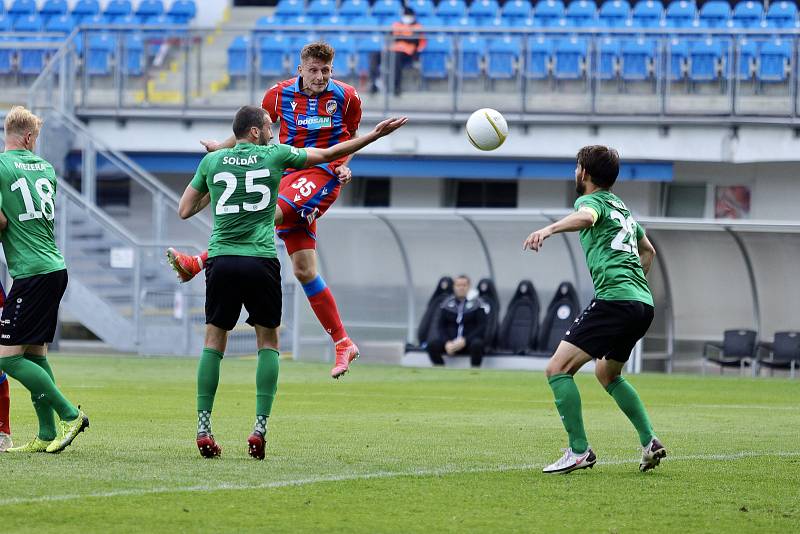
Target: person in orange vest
point(408, 42)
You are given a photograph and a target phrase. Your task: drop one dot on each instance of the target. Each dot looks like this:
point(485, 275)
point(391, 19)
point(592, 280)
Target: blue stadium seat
point(182, 11)
point(99, 53)
point(569, 58)
point(366, 46)
point(343, 59)
point(515, 11)
point(609, 50)
point(782, 14)
point(748, 54)
point(367, 21)
point(648, 14)
point(297, 40)
point(435, 57)
point(85, 9)
point(5, 23)
point(472, 49)
point(706, 57)
point(133, 55)
point(52, 8)
point(387, 11)
point(614, 13)
point(748, 14)
point(293, 8)
point(320, 9)
point(21, 8)
point(638, 59)
point(62, 24)
point(422, 8)
point(484, 12)
point(548, 12)
point(774, 60)
point(539, 57)
point(332, 27)
point(6, 54)
point(431, 21)
point(680, 14)
point(678, 58)
point(28, 23)
point(31, 60)
point(149, 10)
point(582, 14)
point(715, 13)
point(353, 9)
point(451, 9)
point(127, 20)
point(117, 9)
point(503, 58)
point(239, 57)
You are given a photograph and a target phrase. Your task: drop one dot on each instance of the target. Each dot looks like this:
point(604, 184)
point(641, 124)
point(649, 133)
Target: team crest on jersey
point(330, 107)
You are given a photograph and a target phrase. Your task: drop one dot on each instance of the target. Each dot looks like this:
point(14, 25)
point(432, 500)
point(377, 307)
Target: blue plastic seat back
point(6, 56)
point(681, 14)
point(472, 50)
point(748, 14)
point(22, 8)
point(638, 55)
point(422, 8)
point(367, 45)
point(516, 10)
point(614, 13)
point(648, 14)
point(715, 13)
point(782, 14)
point(548, 12)
point(290, 8)
point(451, 9)
point(539, 57)
point(343, 59)
point(118, 9)
point(774, 57)
point(149, 10)
point(63, 24)
point(502, 57)
point(569, 57)
point(239, 57)
point(387, 11)
point(29, 23)
point(85, 9)
point(320, 9)
point(581, 13)
point(705, 56)
point(182, 11)
point(748, 53)
point(98, 55)
point(608, 51)
point(678, 57)
point(484, 12)
point(434, 57)
point(53, 8)
point(5, 25)
point(353, 9)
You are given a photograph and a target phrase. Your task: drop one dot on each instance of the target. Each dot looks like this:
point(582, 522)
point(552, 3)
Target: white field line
point(367, 476)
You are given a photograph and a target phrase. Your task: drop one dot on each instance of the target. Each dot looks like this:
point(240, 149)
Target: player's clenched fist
point(536, 239)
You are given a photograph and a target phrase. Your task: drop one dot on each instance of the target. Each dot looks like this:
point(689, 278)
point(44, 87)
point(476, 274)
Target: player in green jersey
point(619, 255)
point(242, 267)
point(28, 193)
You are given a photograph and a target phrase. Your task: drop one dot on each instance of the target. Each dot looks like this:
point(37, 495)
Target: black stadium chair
point(784, 352)
point(738, 349)
point(520, 327)
point(488, 293)
point(443, 290)
point(561, 312)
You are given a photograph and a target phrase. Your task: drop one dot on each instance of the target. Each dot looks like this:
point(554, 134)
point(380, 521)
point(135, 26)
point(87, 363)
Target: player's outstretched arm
point(192, 202)
point(647, 252)
point(571, 223)
point(213, 146)
point(315, 156)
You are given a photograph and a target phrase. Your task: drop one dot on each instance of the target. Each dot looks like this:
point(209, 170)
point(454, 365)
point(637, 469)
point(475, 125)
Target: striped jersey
point(314, 121)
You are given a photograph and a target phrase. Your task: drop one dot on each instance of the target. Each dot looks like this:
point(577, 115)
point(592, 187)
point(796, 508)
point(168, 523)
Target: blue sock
point(315, 286)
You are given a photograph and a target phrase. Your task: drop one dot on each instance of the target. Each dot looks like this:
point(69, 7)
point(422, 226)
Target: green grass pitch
point(390, 449)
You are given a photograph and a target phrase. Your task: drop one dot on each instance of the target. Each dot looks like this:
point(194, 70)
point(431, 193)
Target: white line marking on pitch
point(367, 476)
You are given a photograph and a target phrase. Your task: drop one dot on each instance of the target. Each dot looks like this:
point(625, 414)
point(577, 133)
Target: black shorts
point(236, 281)
point(610, 328)
point(30, 314)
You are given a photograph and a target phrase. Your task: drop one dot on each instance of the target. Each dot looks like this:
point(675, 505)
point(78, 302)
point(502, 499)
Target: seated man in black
point(461, 326)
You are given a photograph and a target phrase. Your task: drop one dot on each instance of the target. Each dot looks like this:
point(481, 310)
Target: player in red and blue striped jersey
point(313, 110)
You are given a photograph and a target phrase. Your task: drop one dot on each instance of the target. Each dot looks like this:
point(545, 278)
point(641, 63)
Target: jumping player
point(5, 400)
point(314, 111)
point(619, 255)
point(28, 187)
point(242, 268)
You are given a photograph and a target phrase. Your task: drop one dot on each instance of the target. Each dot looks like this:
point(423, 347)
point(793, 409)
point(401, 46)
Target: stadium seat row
point(546, 13)
point(537, 57)
point(23, 15)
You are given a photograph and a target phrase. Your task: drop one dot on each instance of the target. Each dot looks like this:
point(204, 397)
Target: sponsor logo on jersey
point(330, 107)
point(293, 104)
point(313, 122)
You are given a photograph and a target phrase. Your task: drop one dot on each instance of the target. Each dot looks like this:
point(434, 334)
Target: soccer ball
point(486, 129)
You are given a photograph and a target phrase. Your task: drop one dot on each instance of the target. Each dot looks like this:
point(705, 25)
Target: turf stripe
point(367, 476)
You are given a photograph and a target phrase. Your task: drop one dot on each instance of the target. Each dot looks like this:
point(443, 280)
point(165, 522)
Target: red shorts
point(304, 196)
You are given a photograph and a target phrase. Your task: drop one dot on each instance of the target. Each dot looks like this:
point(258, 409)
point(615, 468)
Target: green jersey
point(28, 195)
point(243, 182)
point(612, 251)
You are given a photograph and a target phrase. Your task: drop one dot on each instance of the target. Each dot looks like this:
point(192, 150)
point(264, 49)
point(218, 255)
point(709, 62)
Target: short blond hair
point(20, 121)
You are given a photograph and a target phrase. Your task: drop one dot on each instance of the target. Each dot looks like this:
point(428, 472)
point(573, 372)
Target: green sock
point(39, 383)
point(266, 380)
point(631, 405)
point(568, 403)
point(45, 414)
point(207, 378)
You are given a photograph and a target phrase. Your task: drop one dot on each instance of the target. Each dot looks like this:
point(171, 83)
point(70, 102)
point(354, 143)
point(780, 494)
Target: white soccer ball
point(487, 129)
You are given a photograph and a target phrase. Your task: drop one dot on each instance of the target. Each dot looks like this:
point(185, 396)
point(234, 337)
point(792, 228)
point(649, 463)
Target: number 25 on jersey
point(625, 240)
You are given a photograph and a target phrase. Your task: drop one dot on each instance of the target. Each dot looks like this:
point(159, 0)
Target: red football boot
point(186, 266)
point(207, 446)
point(346, 352)
point(256, 445)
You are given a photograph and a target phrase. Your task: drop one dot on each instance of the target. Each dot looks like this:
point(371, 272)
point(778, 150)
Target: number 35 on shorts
point(304, 187)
